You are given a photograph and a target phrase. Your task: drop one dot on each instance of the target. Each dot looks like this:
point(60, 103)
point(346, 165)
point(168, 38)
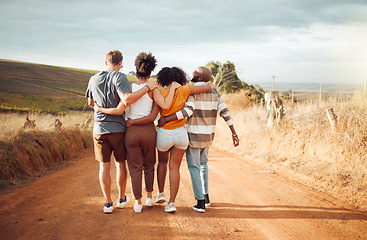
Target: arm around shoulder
point(128, 98)
point(201, 88)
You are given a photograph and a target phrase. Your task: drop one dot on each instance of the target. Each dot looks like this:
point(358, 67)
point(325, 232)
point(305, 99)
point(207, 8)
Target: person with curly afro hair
point(172, 138)
point(140, 137)
point(201, 112)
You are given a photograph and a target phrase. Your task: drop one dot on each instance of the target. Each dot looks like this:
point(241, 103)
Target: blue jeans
point(197, 162)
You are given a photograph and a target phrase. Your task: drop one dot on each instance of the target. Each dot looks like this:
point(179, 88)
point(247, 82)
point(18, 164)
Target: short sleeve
point(122, 84)
point(88, 93)
point(185, 91)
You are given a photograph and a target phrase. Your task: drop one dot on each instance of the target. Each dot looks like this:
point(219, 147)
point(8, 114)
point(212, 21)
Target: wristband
point(164, 118)
point(148, 87)
point(234, 135)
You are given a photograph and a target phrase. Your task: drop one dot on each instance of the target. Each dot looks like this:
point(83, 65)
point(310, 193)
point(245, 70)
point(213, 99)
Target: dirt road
point(248, 202)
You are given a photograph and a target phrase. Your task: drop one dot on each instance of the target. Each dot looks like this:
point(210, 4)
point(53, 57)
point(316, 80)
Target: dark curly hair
point(145, 64)
point(167, 75)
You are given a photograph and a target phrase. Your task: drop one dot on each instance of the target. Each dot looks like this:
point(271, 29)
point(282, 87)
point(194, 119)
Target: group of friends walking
point(186, 125)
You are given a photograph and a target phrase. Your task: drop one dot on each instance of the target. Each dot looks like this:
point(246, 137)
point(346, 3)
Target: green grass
point(40, 104)
point(28, 87)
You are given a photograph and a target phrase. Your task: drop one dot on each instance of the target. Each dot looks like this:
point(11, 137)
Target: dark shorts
point(105, 144)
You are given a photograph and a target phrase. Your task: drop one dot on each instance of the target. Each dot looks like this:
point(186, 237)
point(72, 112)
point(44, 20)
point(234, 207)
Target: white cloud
point(294, 40)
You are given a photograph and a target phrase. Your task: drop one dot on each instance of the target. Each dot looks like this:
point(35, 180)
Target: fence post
point(332, 118)
point(274, 107)
point(320, 92)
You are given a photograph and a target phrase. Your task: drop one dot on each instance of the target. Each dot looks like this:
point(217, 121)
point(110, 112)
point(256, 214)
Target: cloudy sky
point(293, 40)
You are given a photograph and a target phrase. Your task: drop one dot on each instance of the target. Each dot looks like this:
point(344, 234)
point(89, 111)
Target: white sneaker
point(108, 208)
point(160, 198)
point(149, 202)
point(121, 203)
point(170, 207)
point(138, 208)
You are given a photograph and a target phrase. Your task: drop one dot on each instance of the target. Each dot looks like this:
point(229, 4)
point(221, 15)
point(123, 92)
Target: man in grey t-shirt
point(107, 89)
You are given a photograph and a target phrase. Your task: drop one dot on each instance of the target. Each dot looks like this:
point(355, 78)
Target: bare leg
point(176, 155)
point(105, 180)
point(162, 169)
point(121, 178)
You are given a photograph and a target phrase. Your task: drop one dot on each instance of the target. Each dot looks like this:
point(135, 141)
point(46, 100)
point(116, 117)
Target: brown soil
point(249, 201)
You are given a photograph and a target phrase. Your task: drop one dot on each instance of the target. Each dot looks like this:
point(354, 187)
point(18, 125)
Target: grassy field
point(26, 153)
point(44, 94)
point(333, 160)
point(28, 87)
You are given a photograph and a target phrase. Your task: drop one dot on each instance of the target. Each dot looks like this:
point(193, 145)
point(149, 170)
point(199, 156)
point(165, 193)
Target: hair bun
point(145, 64)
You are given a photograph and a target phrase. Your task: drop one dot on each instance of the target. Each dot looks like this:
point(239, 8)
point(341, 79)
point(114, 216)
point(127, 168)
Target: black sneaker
point(200, 206)
point(207, 202)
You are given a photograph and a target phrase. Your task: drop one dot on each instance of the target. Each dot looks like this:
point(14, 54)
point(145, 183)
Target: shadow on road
point(228, 210)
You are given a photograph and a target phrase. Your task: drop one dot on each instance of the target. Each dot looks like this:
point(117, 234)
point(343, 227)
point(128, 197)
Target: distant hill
point(44, 80)
point(29, 87)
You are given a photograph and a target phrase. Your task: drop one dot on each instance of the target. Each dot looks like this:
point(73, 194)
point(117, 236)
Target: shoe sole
point(107, 211)
point(162, 200)
point(121, 206)
point(207, 204)
point(171, 210)
point(199, 210)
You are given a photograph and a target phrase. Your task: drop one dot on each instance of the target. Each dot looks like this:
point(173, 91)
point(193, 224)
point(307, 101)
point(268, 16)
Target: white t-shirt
point(143, 106)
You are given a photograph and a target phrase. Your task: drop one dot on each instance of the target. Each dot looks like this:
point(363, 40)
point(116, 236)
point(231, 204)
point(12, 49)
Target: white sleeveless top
point(143, 106)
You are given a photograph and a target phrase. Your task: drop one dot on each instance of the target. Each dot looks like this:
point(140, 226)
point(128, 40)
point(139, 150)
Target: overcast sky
point(293, 40)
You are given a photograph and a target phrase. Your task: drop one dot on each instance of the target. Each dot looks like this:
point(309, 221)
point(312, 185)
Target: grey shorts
point(166, 139)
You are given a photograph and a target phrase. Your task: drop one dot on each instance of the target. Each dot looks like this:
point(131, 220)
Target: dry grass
point(24, 152)
point(335, 161)
point(238, 101)
point(12, 123)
